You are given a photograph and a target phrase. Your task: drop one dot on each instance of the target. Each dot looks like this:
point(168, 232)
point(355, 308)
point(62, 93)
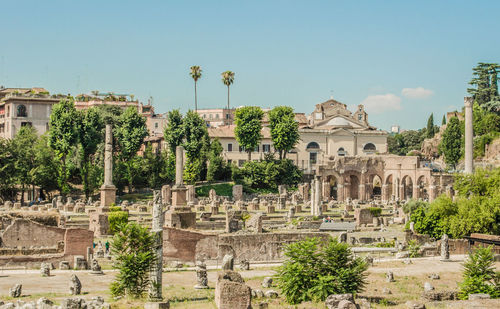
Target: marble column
point(179, 165)
point(317, 198)
point(313, 196)
point(108, 190)
point(155, 275)
point(469, 135)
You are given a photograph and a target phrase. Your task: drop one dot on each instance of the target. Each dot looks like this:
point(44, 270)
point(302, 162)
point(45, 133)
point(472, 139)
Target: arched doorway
point(354, 180)
point(376, 184)
point(407, 187)
point(423, 185)
point(333, 187)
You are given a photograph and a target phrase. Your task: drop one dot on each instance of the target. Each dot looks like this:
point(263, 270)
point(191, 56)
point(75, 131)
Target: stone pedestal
point(98, 222)
point(108, 195)
point(270, 209)
point(179, 195)
point(180, 217)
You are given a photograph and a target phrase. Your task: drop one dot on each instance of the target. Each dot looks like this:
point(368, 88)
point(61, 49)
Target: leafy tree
point(195, 144)
point(45, 172)
point(314, 269)
point(479, 274)
point(130, 134)
point(90, 134)
point(153, 164)
point(430, 126)
point(23, 151)
point(451, 143)
point(228, 80)
point(7, 171)
point(174, 132)
point(195, 74)
point(63, 136)
point(485, 82)
point(248, 127)
point(217, 168)
point(267, 174)
point(284, 129)
point(132, 247)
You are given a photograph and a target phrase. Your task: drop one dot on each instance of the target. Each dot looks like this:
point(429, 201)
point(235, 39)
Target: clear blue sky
point(282, 52)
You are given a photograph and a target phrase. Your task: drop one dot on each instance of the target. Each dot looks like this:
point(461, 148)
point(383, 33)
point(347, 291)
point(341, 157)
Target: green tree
point(228, 80)
point(485, 82)
point(430, 126)
point(173, 132)
point(284, 129)
point(90, 134)
point(23, 151)
point(248, 128)
point(217, 169)
point(451, 143)
point(195, 144)
point(7, 171)
point(479, 274)
point(130, 134)
point(443, 122)
point(132, 248)
point(63, 136)
point(195, 74)
point(45, 172)
point(314, 269)
point(153, 164)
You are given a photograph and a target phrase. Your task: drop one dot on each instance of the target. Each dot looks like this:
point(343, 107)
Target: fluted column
point(469, 135)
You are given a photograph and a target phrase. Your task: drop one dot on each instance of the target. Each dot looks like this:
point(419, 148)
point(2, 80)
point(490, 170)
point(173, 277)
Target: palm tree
point(227, 79)
point(195, 74)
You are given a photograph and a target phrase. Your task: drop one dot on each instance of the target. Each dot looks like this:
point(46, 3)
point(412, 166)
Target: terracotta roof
point(228, 131)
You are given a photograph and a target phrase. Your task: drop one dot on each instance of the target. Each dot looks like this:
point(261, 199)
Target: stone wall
point(24, 233)
point(189, 246)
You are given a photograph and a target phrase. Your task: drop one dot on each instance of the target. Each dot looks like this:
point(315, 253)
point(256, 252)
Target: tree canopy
point(248, 128)
point(284, 129)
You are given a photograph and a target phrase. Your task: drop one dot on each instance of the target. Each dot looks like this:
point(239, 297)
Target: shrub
point(413, 248)
point(375, 211)
point(132, 247)
point(479, 274)
point(222, 189)
point(315, 269)
point(117, 218)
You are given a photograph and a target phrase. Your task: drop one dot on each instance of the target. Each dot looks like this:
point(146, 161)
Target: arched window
point(21, 111)
point(369, 148)
point(312, 146)
point(341, 152)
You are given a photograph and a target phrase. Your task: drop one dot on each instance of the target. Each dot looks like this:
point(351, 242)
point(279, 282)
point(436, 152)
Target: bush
point(315, 269)
point(132, 247)
point(375, 211)
point(267, 174)
point(479, 275)
point(413, 248)
point(222, 189)
point(117, 218)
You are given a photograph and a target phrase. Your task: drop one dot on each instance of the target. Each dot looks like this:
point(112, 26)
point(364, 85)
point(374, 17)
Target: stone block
point(237, 192)
point(254, 223)
point(157, 305)
point(231, 292)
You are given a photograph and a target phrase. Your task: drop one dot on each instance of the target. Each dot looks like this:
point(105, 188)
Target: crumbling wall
point(190, 246)
point(25, 233)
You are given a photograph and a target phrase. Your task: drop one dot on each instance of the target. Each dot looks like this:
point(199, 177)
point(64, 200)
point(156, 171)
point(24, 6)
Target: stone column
point(415, 193)
point(108, 190)
point(469, 135)
point(432, 193)
point(340, 192)
point(326, 189)
point(317, 198)
point(155, 275)
point(385, 189)
point(362, 188)
point(313, 196)
point(179, 165)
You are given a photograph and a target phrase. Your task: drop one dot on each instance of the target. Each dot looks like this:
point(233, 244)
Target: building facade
point(25, 107)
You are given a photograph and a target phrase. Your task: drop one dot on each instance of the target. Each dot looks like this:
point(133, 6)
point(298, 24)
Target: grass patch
point(222, 189)
point(135, 197)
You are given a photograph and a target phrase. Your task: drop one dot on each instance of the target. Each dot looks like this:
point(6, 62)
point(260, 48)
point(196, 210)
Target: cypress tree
point(430, 126)
point(443, 122)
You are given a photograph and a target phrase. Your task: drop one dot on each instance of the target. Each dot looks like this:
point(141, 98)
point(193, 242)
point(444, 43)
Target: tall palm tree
point(195, 74)
point(227, 79)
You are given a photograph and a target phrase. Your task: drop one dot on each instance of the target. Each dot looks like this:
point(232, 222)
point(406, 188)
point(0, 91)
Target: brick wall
point(26, 233)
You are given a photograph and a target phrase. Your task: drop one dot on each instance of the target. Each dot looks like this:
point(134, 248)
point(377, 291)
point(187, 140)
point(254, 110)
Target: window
point(229, 147)
point(341, 152)
point(241, 149)
point(210, 116)
point(360, 117)
point(21, 111)
point(216, 116)
point(2, 128)
point(227, 116)
point(241, 162)
point(229, 162)
point(256, 149)
point(313, 157)
point(26, 124)
point(312, 145)
point(369, 148)
point(156, 125)
point(8, 111)
point(266, 148)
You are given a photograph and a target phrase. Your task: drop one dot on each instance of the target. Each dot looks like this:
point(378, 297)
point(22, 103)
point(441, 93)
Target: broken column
point(237, 192)
point(317, 198)
point(155, 274)
point(98, 220)
point(445, 248)
point(469, 135)
point(180, 214)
